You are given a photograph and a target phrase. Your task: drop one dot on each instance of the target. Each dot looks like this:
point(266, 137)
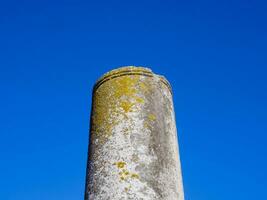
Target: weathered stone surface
point(133, 142)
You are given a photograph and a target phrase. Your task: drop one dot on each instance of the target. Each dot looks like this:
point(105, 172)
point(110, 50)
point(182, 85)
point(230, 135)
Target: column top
point(129, 70)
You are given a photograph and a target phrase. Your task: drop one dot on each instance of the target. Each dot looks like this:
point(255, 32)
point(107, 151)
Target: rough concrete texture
point(133, 143)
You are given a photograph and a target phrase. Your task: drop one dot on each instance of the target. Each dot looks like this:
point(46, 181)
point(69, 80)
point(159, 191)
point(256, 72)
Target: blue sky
point(213, 53)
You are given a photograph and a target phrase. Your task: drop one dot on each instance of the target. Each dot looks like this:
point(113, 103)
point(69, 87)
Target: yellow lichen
point(143, 86)
point(126, 106)
point(120, 164)
point(112, 102)
point(139, 100)
point(124, 174)
point(151, 117)
point(125, 86)
point(134, 175)
point(147, 125)
point(108, 99)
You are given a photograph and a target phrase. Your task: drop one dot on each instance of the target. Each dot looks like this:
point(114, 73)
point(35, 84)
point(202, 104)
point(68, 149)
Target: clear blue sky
point(213, 53)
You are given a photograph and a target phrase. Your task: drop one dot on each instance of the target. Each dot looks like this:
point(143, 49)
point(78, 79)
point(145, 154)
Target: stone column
point(133, 151)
